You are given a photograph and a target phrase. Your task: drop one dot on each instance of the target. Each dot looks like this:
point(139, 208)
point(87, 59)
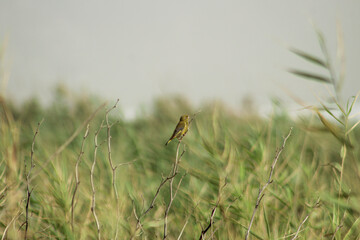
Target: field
point(77, 169)
point(313, 192)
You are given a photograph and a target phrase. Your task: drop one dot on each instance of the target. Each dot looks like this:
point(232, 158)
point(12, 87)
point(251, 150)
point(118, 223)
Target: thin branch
point(28, 180)
point(183, 228)
point(163, 181)
point(113, 167)
point(138, 224)
point(77, 180)
point(262, 189)
point(211, 221)
point(92, 181)
point(173, 173)
point(125, 163)
point(298, 230)
point(172, 192)
point(70, 139)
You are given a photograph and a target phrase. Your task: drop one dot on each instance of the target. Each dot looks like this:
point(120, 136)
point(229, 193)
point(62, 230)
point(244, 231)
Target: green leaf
point(352, 104)
point(329, 112)
point(321, 40)
point(266, 222)
point(333, 130)
point(309, 57)
point(352, 128)
point(310, 76)
point(352, 230)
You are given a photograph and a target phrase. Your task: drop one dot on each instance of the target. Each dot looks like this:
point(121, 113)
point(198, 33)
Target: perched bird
point(181, 128)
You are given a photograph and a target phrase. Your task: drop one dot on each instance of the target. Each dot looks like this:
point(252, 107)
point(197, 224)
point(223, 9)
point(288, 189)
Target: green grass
point(227, 158)
point(220, 147)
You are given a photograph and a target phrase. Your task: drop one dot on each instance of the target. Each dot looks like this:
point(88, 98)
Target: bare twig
point(28, 180)
point(77, 180)
point(298, 230)
point(183, 228)
point(172, 174)
point(152, 204)
point(69, 140)
point(92, 180)
point(262, 189)
point(172, 192)
point(211, 221)
point(113, 167)
point(163, 181)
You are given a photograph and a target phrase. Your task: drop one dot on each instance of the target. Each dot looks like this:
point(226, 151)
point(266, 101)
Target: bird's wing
point(178, 129)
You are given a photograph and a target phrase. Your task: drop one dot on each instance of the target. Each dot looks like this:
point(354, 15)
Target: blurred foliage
point(221, 146)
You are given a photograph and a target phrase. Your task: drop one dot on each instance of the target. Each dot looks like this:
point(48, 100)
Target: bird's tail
point(168, 142)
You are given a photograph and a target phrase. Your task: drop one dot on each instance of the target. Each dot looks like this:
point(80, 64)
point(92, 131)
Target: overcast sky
point(138, 50)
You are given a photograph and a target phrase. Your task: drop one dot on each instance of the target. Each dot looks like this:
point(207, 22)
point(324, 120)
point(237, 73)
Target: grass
point(226, 159)
point(86, 172)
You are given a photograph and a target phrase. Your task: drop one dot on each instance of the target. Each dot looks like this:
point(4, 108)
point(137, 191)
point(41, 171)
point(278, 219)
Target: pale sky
point(139, 50)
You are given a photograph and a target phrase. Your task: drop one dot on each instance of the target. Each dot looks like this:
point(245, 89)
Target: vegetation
point(74, 170)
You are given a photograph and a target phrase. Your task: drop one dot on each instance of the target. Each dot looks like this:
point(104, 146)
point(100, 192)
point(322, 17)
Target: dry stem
point(92, 180)
point(172, 192)
point(298, 230)
point(113, 167)
point(211, 221)
point(170, 178)
point(138, 218)
point(262, 189)
point(28, 180)
point(77, 181)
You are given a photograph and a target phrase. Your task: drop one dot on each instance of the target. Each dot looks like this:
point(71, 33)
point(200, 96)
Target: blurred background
point(233, 51)
point(235, 61)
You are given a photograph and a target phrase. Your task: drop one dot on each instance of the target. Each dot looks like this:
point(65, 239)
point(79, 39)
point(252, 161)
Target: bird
point(181, 129)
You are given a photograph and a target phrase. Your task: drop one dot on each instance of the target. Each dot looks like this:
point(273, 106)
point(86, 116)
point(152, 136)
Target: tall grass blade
point(309, 57)
point(352, 128)
point(352, 104)
point(331, 114)
point(266, 223)
point(333, 130)
point(310, 76)
point(353, 230)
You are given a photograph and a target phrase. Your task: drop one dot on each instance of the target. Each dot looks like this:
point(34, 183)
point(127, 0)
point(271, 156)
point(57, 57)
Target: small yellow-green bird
point(181, 129)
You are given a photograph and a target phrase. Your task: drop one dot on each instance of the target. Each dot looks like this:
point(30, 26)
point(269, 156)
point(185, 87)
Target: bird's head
point(185, 118)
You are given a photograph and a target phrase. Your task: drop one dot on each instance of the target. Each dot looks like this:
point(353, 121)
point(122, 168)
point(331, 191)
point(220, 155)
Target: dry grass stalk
point(28, 180)
point(298, 230)
point(172, 191)
point(77, 180)
point(211, 221)
point(93, 201)
point(262, 189)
